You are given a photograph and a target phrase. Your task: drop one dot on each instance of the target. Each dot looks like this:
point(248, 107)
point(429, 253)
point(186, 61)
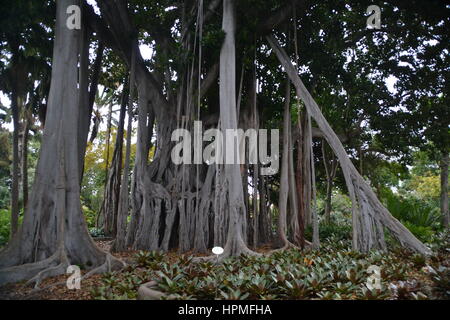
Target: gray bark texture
point(54, 233)
point(444, 188)
point(284, 179)
point(371, 212)
point(231, 177)
point(124, 204)
point(15, 164)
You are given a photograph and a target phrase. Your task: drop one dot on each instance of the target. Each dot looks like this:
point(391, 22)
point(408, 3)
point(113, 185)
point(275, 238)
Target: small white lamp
point(217, 251)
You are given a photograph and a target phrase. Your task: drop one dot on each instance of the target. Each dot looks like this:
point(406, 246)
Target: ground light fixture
point(217, 251)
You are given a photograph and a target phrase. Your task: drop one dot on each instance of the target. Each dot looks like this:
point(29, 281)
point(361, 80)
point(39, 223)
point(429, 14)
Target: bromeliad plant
point(334, 272)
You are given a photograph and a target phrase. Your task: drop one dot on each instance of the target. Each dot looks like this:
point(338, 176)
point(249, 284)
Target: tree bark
point(330, 172)
point(54, 233)
point(370, 206)
point(122, 215)
point(15, 165)
point(233, 190)
point(110, 204)
point(284, 179)
point(444, 188)
point(306, 166)
point(24, 165)
point(300, 235)
point(314, 215)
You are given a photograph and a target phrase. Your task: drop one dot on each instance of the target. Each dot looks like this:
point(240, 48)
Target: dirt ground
point(55, 288)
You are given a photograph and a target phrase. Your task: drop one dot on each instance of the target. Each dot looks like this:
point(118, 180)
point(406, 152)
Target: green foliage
point(5, 226)
point(331, 230)
point(336, 272)
point(96, 233)
point(148, 258)
point(422, 219)
point(4, 192)
point(90, 216)
point(441, 280)
point(5, 151)
point(339, 227)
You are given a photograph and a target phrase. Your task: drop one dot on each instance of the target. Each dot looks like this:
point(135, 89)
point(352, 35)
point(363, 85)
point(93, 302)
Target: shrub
point(5, 225)
point(334, 272)
point(90, 216)
point(331, 230)
point(339, 227)
point(96, 233)
point(421, 218)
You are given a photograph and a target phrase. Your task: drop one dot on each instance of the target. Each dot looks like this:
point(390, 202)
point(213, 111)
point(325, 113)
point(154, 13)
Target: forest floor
point(54, 289)
point(19, 291)
point(334, 272)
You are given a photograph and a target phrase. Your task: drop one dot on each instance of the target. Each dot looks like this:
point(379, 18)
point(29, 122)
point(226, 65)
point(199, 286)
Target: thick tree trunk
point(293, 200)
point(170, 206)
point(108, 139)
point(85, 113)
point(370, 207)
point(306, 166)
point(444, 188)
point(300, 235)
point(24, 158)
point(122, 215)
point(256, 176)
point(54, 234)
point(284, 179)
point(314, 215)
point(231, 177)
point(264, 224)
point(15, 164)
point(110, 204)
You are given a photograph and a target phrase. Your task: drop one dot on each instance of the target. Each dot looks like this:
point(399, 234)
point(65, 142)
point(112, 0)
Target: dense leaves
point(335, 272)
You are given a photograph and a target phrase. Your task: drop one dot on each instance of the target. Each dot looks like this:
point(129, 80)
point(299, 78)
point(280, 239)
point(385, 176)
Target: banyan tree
point(204, 68)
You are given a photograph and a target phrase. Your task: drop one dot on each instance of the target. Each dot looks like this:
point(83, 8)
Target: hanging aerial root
point(353, 179)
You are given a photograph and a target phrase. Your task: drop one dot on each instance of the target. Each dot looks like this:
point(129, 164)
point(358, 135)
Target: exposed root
point(53, 266)
point(47, 273)
point(26, 271)
point(287, 246)
point(290, 245)
point(111, 263)
point(147, 292)
point(60, 258)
